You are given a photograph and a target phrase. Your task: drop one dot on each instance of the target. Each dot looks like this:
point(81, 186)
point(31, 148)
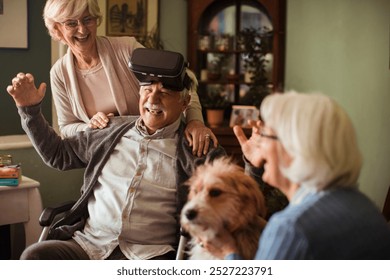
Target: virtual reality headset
point(169, 68)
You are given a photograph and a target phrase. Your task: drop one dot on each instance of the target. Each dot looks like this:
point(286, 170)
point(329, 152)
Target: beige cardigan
point(114, 53)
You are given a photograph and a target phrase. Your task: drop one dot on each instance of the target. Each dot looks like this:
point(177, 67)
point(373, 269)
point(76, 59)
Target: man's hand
point(251, 147)
point(198, 136)
point(24, 92)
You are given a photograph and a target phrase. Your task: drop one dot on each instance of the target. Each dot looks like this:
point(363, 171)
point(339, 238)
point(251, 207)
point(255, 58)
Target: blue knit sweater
point(335, 224)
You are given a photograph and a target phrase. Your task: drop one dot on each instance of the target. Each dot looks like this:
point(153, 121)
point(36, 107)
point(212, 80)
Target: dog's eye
point(215, 192)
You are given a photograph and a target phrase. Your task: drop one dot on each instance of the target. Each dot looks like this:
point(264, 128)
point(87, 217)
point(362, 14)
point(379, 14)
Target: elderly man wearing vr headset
point(130, 202)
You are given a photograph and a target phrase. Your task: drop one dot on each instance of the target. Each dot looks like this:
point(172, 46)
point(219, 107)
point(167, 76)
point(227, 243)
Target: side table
point(22, 204)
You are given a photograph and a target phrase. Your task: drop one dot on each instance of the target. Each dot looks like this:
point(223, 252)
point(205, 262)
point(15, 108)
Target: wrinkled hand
point(24, 91)
point(198, 135)
point(99, 120)
point(220, 246)
point(251, 148)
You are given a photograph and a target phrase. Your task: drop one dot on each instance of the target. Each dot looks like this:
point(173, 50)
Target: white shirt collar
point(165, 132)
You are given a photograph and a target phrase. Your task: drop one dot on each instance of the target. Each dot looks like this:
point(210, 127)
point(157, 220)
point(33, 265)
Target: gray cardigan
point(90, 150)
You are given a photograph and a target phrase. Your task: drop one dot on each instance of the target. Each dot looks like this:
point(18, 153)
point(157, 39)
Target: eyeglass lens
point(264, 135)
point(87, 21)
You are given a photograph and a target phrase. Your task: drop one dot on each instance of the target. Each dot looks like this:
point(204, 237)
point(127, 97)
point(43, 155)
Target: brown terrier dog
point(223, 197)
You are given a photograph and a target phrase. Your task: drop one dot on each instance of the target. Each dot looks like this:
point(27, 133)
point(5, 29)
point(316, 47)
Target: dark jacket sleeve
point(187, 163)
point(275, 200)
point(62, 154)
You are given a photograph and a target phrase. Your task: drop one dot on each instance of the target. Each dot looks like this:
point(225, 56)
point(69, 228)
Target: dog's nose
point(191, 214)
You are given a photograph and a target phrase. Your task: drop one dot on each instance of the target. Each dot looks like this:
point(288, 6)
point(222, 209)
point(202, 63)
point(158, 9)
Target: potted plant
point(215, 104)
point(255, 44)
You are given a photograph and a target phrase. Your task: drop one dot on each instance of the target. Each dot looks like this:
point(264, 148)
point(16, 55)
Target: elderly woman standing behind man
point(307, 148)
point(92, 81)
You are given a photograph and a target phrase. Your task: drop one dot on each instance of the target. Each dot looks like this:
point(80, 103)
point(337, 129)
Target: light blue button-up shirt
point(134, 203)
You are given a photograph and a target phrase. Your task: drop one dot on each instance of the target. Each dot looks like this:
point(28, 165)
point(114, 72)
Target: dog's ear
point(262, 208)
point(187, 185)
point(254, 194)
point(245, 184)
point(194, 181)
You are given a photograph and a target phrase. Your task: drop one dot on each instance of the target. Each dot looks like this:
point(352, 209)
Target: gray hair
point(194, 85)
point(319, 136)
point(60, 10)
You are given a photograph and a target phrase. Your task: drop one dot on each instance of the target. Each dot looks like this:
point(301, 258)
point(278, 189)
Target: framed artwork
point(241, 114)
point(136, 18)
point(14, 24)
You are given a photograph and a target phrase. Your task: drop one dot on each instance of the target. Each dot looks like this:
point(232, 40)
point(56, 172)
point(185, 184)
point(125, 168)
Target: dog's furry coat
point(222, 196)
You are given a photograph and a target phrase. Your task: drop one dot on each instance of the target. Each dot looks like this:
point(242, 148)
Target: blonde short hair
point(319, 136)
point(60, 10)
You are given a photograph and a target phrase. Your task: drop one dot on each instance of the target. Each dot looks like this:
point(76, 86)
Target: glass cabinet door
point(233, 45)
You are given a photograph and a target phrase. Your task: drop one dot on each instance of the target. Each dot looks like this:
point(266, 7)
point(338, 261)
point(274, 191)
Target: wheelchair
point(51, 214)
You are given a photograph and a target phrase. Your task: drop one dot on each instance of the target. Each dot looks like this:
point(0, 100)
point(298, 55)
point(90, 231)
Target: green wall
point(338, 47)
point(56, 186)
point(173, 25)
point(341, 48)
point(35, 60)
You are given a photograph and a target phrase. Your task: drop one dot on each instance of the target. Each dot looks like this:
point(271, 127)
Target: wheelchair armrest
point(184, 233)
point(181, 249)
point(49, 213)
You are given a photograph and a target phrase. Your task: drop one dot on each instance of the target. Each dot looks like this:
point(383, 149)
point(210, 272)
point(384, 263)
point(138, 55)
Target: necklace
point(91, 69)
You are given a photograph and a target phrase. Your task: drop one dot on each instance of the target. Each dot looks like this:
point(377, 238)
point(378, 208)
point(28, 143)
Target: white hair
point(319, 136)
point(59, 10)
point(194, 85)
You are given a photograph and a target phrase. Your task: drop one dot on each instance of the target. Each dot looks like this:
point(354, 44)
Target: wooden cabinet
point(219, 56)
point(215, 29)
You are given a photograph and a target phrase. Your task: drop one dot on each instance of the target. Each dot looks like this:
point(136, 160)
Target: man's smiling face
point(160, 107)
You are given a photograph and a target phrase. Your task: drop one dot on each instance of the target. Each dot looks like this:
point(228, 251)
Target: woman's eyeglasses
point(272, 137)
point(73, 24)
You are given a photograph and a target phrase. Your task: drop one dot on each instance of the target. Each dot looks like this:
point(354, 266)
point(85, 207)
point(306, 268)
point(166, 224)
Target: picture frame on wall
point(136, 18)
point(242, 113)
point(14, 24)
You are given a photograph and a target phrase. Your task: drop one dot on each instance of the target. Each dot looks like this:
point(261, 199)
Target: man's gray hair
point(194, 85)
